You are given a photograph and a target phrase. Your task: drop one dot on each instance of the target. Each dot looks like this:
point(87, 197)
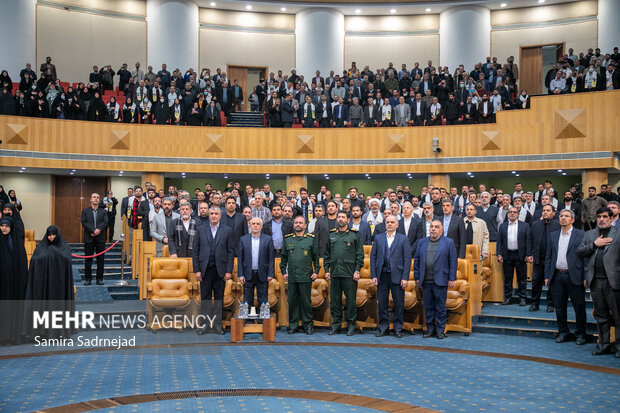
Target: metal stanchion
point(122, 282)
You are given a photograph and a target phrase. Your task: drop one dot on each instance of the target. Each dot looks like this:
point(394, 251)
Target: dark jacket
point(399, 261)
point(89, 225)
point(576, 264)
point(446, 261)
point(224, 250)
point(523, 240)
point(265, 257)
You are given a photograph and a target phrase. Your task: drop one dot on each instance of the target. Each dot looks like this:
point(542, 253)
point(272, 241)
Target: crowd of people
point(566, 236)
point(415, 96)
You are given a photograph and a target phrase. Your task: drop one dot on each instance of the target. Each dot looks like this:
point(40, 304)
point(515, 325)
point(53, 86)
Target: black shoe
point(221, 332)
point(398, 334)
point(293, 330)
point(310, 330)
point(580, 340)
point(522, 302)
point(601, 351)
point(550, 308)
point(506, 302)
point(617, 354)
point(334, 331)
point(441, 336)
point(562, 338)
point(351, 332)
point(534, 307)
point(201, 331)
point(87, 282)
point(429, 334)
point(381, 333)
point(99, 282)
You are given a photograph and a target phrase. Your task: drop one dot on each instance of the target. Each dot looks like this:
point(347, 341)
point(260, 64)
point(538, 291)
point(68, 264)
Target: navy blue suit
point(539, 237)
point(390, 266)
point(255, 278)
point(416, 231)
point(288, 113)
point(569, 284)
point(344, 115)
point(435, 293)
point(213, 258)
point(364, 231)
point(514, 260)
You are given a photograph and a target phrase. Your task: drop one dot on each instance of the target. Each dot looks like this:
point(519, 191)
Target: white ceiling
point(367, 9)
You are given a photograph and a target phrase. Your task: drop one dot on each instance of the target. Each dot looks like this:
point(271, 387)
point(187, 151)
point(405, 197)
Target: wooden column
point(294, 182)
point(439, 180)
point(593, 177)
point(155, 178)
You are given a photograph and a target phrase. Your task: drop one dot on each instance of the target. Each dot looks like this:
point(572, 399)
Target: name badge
point(305, 252)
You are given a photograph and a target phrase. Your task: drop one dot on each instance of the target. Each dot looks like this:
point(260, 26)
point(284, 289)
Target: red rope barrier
point(93, 256)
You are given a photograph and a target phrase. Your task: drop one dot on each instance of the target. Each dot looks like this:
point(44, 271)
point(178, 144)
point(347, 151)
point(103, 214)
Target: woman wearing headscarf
point(9, 210)
point(131, 113)
point(97, 110)
point(5, 80)
point(113, 109)
point(13, 268)
point(4, 197)
point(13, 200)
point(50, 282)
point(7, 102)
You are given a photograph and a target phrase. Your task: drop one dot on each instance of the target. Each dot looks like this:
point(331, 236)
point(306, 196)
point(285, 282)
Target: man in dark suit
point(434, 269)
point(318, 79)
point(390, 260)
point(146, 206)
point(94, 221)
point(340, 114)
point(287, 111)
point(419, 110)
point(513, 251)
point(213, 256)
point(488, 213)
point(469, 111)
point(545, 200)
point(539, 238)
point(235, 221)
point(125, 202)
point(601, 247)
point(411, 226)
point(454, 228)
point(356, 222)
point(182, 232)
point(225, 97)
point(569, 203)
point(565, 273)
point(255, 263)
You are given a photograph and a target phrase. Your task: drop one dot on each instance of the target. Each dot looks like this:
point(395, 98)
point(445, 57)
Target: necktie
point(469, 233)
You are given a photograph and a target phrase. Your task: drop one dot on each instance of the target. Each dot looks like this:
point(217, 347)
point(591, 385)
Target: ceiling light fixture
point(248, 7)
point(212, 4)
point(563, 173)
point(282, 8)
point(559, 170)
point(502, 5)
point(541, 1)
point(357, 11)
point(393, 11)
point(428, 9)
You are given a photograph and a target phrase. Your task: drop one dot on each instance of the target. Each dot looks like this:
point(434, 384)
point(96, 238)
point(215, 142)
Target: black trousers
point(451, 121)
point(308, 123)
point(111, 220)
point(287, 125)
point(512, 262)
point(324, 123)
point(261, 290)
point(563, 288)
point(383, 297)
point(91, 248)
point(606, 310)
point(212, 285)
point(434, 299)
point(418, 120)
point(538, 280)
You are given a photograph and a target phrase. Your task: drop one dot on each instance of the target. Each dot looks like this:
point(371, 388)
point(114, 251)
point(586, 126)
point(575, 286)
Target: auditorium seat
point(29, 243)
point(473, 253)
point(319, 294)
point(273, 291)
point(170, 291)
point(366, 299)
point(457, 303)
point(413, 315)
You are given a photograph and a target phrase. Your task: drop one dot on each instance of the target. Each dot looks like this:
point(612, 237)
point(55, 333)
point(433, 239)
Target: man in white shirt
point(415, 203)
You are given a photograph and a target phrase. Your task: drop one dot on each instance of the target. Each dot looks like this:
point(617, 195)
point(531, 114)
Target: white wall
point(608, 27)
point(17, 36)
point(462, 26)
point(35, 193)
point(119, 185)
point(319, 41)
point(77, 41)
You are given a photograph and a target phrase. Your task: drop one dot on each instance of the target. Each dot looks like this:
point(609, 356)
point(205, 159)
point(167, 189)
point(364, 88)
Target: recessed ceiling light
point(23, 168)
point(120, 172)
point(541, 1)
point(563, 173)
point(282, 8)
point(517, 175)
point(468, 173)
point(428, 9)
point(21, 172)
point(357, 11)
point(502, 5)
point(514, 172)
point(248, 7)
point(559, 170)
point(212, 4)
point(393, 11)
point(410, 177)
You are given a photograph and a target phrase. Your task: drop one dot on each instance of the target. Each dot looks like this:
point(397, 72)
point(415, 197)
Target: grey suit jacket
point(402, 121)
point(611, 260)
point(159, 231)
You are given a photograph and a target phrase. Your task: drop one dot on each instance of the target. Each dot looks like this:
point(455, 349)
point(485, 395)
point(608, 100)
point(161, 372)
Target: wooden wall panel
point(523, 132)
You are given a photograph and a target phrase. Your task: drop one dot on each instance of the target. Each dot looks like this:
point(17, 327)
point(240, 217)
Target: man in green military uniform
point(300, 265)
point(344, 258)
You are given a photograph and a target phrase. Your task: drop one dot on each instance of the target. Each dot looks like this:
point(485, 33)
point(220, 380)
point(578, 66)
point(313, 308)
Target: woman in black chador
point(13, 271)
point(50, 281)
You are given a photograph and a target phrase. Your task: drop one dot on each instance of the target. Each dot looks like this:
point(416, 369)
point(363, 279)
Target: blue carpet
point(240, 404)
point(436, 380)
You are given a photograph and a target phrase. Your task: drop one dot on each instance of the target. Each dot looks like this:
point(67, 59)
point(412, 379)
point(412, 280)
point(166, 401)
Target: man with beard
point(324, 225)
point(182, 233)
point(109, 204)
point(540, 231)
point(235, 221)
point(569, 203)
point(94, 221)
point(344, 257)
point(144, 210)
point(357, 223)
point(161, 224)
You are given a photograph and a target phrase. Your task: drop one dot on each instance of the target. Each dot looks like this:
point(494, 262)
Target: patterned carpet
point(438, 380)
